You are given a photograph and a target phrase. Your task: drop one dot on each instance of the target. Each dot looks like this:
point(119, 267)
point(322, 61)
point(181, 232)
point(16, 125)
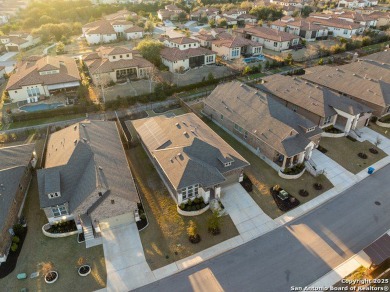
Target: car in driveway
point(283, 195)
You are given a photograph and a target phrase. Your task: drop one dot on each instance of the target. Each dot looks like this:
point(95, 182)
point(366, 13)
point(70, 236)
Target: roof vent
point(112, 201)
point(337, 69)
point(85, 139)
point(354, 74)
point(75, 141)
point(100, 194)
point(83, 125)
point(75, 127)
point(101, 168)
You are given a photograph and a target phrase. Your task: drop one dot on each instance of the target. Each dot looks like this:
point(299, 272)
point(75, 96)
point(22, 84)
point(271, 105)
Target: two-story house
point(113, 64)
point(183, 53)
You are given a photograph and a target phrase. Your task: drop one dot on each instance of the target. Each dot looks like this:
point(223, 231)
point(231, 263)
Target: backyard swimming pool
point(41, 107)
point(254, 59)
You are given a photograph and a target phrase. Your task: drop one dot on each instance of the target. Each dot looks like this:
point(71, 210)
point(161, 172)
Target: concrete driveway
point(248, 217)
point(334, 172)
point(125, 260)
point(7, 56)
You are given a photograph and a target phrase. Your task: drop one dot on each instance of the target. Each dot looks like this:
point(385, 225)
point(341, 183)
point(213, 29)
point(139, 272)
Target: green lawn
point(264, 177)
point(165, 239)
point(65, 254)
point(44, 121)
point(345, 152)
point(375, 47)
point(257, 75)
point(383, 131)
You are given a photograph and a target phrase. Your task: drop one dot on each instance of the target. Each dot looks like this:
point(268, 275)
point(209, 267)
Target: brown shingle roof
point(270, 34)
point(187, 150)
point(333, 22)
point(99, 27)
point(182, 40)
point(175, 54)
point(27, 73)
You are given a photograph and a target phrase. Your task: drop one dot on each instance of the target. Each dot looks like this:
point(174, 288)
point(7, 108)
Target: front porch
point(288, 162)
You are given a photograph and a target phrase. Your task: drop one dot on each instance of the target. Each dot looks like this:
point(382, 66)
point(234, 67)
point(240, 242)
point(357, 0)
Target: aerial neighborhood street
point(194, 145)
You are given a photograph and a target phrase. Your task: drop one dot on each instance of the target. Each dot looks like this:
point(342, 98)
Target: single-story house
point(191, 159)
point(113, 64)
point(270, 39)
point(87, 179)
point(16, 164)
point(336, 27)
point(39, 76)
point(271, 130)
point(373, 93)
point(320, 105)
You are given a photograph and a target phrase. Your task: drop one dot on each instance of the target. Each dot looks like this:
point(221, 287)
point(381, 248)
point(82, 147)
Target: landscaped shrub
point(385, 119)
point(373, 151)
point(213, 223)
point(15, 239)
point(332, 129)
point(192, 232)
point(303, 193)
point(18, 229)
point(362, 155)
point(297, 169)
point(318, 186)
point(63, 227)
point(193, 205)
point(14, 247)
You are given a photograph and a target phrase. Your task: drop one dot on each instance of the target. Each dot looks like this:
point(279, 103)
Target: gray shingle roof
point(341, 80)
point(89, 158)
point(13, 162)
point(318, 100)
point(262, 116)
point(187, 150)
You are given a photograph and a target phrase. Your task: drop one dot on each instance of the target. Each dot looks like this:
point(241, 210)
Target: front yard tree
point(150, 50)
point(192, 232)
point(60, 48)
point(214, 223)
point(149, 26)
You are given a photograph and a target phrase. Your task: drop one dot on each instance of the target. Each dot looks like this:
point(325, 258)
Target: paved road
point(302, 251)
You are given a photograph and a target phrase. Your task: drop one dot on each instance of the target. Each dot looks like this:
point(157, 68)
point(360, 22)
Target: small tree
point(14, 247)
point(60, 48)
point(192, 232)
point(210, 77)
point(321, 62)
point(149, 26)
point(214, 223)
point(247, 70)
point(289, 59)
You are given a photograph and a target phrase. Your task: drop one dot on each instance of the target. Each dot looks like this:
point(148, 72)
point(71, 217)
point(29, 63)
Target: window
point(209, 59)
point(190, 192)
point(294, 107)
point(235, 52)
point(310, 129)
point(327, 120)
point(275, 44)
point(238, 128)
point(127, 55)
point(221, 117)
point(120, 56)
point(59, 211)
point(228, 164)
point(114, 57)
point(345, 31)
point(246, 135)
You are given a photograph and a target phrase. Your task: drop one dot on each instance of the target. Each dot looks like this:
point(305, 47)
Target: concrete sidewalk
point(343, 270)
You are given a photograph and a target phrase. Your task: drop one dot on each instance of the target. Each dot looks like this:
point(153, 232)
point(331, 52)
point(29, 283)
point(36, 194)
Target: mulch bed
point(9, 266)
point(141, 224)
point(247, 184)
point(373, 151)
point(322, 149)
point(284, 205)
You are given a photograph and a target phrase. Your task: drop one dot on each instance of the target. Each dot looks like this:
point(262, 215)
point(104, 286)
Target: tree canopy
point(150, 50)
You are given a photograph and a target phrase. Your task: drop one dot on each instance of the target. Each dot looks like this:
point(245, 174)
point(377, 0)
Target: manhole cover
point(377, 203)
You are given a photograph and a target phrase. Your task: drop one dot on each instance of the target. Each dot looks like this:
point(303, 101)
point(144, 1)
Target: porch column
point(284, 162)
point(301, 157)
point(348, 125)
point(355, 121)
point(218, 192)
